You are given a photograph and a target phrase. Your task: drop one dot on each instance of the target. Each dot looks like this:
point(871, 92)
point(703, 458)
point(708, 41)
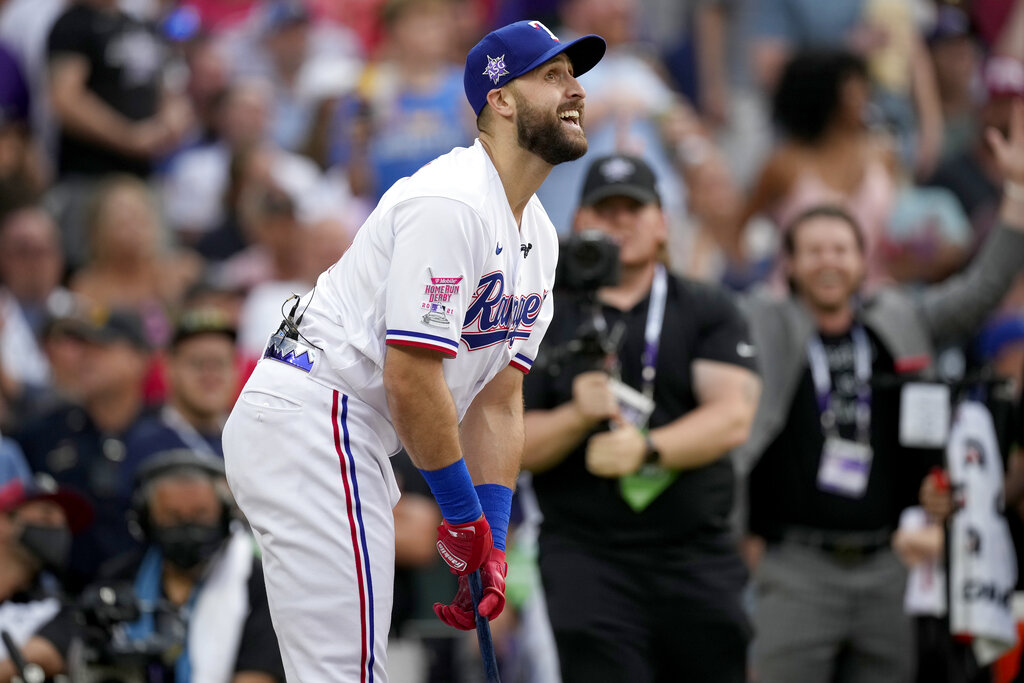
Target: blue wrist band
point(453, 490)
point(496, 501)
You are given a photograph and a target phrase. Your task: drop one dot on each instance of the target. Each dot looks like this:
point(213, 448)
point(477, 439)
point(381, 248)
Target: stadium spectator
point(31, 265)
point(323, 241)
point(36, 527)
point(635, 529)
point(208, 74)
point(279, 190)
point(84, 444)
point(630, 108)
point(828, 153)
point(200, 573)
point(408, 107)
point(882, 32)
point(305, 61)
point(202, 371)
point(108, 100)
point(194, 187)
point(248, 167)
point(22, 177)
point(130, 265)
point(956, 57)
point(974, 175)
point(699, 246)
point(835, 472)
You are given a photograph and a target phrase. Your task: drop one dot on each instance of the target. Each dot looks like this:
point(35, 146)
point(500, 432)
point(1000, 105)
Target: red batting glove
point(459, 613)
point(464, 547)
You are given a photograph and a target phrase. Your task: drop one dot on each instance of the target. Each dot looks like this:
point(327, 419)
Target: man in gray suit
point(835, 468)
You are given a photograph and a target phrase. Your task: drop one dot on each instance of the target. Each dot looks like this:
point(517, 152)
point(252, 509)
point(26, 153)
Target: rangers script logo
point(494, 317)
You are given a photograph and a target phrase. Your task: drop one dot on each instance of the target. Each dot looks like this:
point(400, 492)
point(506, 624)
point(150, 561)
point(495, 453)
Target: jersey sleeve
point(440, 246)
point(526, 351)
point(724, 335)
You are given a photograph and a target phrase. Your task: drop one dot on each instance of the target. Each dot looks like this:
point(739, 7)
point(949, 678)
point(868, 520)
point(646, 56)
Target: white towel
point(983, 566)
point(926, 581)
point(215, 628)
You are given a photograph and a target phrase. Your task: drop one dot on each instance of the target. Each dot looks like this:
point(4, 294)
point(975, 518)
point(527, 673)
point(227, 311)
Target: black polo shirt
point(701, 322)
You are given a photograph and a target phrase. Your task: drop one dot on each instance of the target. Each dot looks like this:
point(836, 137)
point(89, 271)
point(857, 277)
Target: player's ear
point(500, 100)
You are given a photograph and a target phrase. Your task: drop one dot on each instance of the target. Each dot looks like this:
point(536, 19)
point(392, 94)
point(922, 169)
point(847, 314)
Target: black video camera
point(587, 261)
point(106, 653)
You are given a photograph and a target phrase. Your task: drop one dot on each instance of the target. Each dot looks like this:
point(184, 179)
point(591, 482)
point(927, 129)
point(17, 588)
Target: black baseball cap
point(199, 321)
point(620, 175)
point(511, 51)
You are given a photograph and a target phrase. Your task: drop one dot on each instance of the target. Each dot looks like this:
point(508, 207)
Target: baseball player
point(419, 336)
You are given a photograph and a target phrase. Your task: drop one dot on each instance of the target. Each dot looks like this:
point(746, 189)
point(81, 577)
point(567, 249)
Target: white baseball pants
point(309, 468)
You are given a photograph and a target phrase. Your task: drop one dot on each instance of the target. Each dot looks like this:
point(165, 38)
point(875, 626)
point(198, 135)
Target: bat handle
point(483, 630)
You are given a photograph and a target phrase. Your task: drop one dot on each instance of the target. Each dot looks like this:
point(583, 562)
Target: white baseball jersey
point(439, 264)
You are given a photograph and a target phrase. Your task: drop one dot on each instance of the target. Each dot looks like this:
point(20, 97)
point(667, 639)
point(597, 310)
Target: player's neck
point(521, 172)
point(634, 285)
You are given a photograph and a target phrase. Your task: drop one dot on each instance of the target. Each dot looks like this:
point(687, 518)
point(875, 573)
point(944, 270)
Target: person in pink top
point(828, 152)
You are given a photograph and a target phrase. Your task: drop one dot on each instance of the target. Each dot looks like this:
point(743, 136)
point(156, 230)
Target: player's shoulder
point(464, 175)
point(537, 223)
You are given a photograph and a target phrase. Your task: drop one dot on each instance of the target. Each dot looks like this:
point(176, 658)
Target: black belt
point(841, 545)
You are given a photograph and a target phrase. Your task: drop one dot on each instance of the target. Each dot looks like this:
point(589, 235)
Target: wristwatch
point(651, 454)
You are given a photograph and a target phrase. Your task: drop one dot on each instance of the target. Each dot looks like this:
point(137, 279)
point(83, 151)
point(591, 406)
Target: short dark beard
point(541, 133)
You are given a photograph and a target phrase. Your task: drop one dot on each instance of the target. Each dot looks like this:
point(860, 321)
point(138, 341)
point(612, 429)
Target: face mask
point(51, 545)
point(187, 546)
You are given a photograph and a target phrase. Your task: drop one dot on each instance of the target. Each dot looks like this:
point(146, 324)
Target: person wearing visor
point(419, 336)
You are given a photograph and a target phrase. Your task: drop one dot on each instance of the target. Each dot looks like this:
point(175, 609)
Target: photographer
point(198, 586)
point(35, 535)
point(641, 577)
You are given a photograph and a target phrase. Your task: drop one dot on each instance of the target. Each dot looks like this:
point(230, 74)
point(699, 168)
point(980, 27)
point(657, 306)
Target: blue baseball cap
point(511, 51)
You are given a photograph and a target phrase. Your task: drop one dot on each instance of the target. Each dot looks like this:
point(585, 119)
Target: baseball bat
point(483, 630)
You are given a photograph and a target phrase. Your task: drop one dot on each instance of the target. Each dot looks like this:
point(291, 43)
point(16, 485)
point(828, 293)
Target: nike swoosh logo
point(498, 249)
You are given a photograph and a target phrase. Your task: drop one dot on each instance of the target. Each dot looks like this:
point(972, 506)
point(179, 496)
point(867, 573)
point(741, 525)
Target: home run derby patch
point(439, 293)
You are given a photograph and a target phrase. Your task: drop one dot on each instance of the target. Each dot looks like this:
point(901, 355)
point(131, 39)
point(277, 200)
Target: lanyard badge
point(845, 464)
point(641, 488)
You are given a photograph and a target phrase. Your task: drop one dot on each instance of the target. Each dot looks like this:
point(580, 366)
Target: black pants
point(646, 619)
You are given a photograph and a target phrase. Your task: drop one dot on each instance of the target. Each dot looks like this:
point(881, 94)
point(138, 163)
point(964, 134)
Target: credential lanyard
point(823, 383)
point(652, 330)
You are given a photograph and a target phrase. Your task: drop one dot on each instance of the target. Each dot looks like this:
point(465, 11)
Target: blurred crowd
point(171, 171)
